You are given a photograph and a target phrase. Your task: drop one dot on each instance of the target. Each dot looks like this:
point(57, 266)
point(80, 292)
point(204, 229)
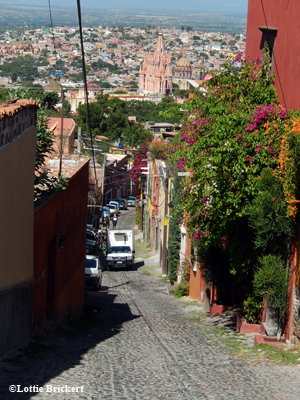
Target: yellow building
point(17, 162)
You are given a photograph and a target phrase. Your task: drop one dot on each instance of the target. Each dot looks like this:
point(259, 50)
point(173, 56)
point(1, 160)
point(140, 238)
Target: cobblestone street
point(136, 342)
point(139, 345)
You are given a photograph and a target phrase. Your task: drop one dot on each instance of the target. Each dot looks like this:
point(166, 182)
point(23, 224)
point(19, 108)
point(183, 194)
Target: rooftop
point(70, 165)
point(11, 107)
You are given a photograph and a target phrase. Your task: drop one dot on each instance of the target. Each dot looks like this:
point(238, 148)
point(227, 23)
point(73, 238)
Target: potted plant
point(271, 282)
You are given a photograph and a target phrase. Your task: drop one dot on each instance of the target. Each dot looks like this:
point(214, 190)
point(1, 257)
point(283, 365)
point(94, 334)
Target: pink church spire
point(160, 47)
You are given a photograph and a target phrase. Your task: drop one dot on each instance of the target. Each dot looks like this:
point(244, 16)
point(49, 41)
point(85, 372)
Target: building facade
point(156, 73)
point(17, 163)
point(278, 26)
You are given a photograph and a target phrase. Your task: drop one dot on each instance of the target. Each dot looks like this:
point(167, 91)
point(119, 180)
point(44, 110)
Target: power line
point(51, 23)
point(86, 91)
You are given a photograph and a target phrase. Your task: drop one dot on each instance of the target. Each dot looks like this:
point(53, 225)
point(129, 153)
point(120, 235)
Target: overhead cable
point(86, 91)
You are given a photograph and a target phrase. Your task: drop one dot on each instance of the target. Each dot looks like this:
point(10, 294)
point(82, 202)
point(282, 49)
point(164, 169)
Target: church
point(156, 74)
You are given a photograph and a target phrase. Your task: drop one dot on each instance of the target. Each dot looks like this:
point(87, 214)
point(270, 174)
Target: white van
point(120, 249)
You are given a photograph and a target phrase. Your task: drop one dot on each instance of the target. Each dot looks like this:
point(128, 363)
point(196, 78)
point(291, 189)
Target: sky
point(213, 6)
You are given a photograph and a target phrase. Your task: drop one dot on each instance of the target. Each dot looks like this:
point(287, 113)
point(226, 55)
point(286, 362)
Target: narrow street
point(135, 342)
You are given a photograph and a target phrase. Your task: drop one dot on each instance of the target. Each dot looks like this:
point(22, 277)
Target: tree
point(67, 108)
point(243, 149)
point(44, 149)
point(3, 95)
point(21, 66)
point(49, 100)
point(14, 76)
point(120, 28)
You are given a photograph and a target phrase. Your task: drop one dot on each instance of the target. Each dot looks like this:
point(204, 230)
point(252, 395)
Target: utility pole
point(79, 141)
point(103, 172)
point(61, 132)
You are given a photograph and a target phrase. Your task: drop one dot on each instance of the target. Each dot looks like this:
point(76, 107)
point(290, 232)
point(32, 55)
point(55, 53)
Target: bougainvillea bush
point(230, 134)
point(139, 161)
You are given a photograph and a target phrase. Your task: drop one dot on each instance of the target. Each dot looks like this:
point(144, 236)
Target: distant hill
point(232, 20)
point(220, 6)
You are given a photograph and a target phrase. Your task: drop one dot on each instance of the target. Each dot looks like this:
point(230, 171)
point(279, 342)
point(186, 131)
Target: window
point(268, 37)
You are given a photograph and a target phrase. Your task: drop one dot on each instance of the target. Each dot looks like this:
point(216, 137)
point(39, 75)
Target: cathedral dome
point(183, 62)
point(53, 86)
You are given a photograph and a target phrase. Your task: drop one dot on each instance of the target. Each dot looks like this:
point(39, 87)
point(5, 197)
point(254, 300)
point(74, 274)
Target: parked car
point(92, 242)
point(89, 227)
point(93, 272)
point(113, 209)
point(131, 200)
point(116, 203)
point(123, 203)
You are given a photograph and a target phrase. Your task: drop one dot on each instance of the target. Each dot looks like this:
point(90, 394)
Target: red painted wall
point(59, 273)
point(283, 15)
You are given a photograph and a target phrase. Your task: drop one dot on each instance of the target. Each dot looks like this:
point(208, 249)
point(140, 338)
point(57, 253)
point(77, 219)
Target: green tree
point(14, 76)
point(49, 100)
point(268, 216)
point(44, 150)
point(3, 95)
point(271, 282)
point(135, 134)
point(120, 28)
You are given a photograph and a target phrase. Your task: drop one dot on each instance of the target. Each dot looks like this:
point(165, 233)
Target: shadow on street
point(61, 349)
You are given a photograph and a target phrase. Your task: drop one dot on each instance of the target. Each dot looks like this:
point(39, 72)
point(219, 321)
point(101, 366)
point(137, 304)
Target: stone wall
point(15, 118)
point(296, 316)
point(16, 316)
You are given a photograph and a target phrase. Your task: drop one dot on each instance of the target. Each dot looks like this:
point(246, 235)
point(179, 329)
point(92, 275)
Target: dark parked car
point(92, 243)
point(123, 204)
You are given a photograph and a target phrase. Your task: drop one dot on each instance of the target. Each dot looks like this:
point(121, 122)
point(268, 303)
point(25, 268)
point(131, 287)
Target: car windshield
point(131, 198)
point(112, 207)
point(120, 249)
point(90, 263)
